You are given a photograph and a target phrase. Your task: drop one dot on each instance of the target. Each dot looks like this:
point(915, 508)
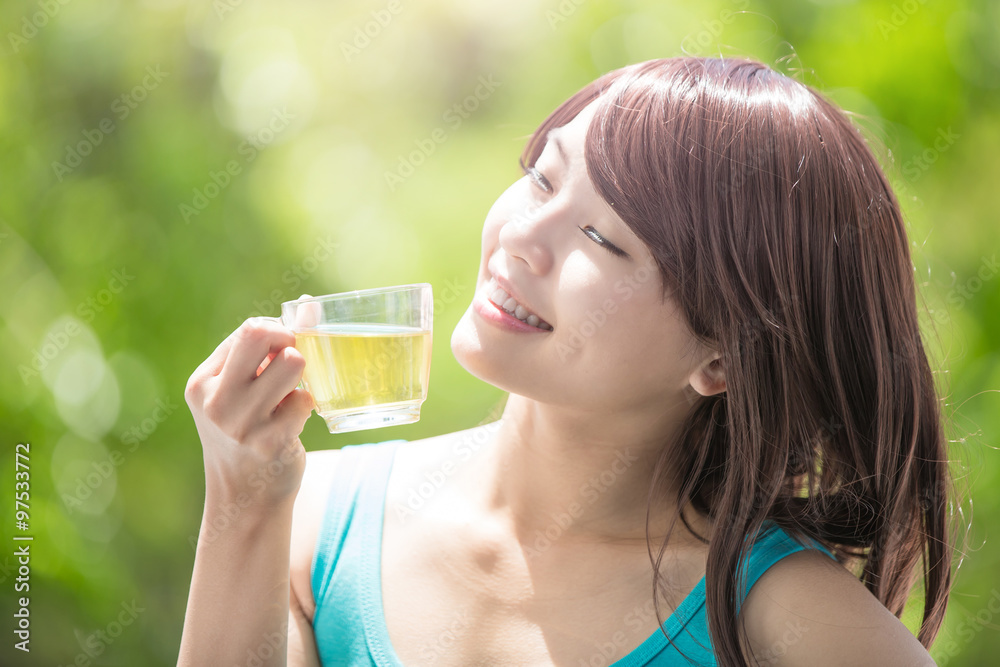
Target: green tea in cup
point(367, 352)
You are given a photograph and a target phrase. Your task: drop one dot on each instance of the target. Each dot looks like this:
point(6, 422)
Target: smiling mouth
point(509, 305)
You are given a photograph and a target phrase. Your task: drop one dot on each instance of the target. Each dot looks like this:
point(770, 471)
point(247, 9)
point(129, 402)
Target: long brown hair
point(779, 236)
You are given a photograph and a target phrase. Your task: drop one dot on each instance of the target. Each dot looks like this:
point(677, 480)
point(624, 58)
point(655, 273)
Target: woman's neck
point(579, 476)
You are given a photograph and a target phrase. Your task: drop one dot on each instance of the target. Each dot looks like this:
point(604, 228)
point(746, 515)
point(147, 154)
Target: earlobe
point(709, 379)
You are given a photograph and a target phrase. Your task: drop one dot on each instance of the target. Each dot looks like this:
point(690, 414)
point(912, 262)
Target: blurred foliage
point(169, 168)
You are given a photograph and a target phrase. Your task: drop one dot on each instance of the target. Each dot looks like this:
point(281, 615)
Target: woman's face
point(614, 341)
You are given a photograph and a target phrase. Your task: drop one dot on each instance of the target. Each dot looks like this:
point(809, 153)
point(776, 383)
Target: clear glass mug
point(367, 352)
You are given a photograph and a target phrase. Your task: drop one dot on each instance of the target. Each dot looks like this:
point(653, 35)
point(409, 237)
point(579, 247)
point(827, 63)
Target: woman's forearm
point(237, 609)
point(249, 412)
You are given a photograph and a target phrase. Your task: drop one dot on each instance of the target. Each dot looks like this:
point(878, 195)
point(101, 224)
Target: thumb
point(307, 315)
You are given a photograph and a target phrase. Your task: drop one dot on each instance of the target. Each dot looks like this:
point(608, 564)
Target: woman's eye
point(536, 177)
point(540, 181)
point(604, 243)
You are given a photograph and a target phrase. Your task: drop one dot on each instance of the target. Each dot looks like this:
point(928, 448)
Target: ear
point(710, 377)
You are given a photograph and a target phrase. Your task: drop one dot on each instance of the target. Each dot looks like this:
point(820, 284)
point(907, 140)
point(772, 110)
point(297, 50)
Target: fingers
point(293, 411)
point(247, 352)
point(214, 363)
point(263, 364)
point(280, 377)
point(252, 342)
point(270, 355)
point(298, 402)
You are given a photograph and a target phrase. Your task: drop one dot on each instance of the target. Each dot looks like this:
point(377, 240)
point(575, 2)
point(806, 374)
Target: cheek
point(597, 323)
point(624, 333)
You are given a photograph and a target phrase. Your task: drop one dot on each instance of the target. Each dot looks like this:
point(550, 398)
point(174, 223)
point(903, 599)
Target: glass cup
point(367, 352)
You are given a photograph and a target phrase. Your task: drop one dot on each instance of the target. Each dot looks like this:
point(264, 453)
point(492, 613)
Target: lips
point(499, 297)
point(500, 293)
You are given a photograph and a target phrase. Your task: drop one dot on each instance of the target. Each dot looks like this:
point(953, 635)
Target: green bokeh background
point(123, 291)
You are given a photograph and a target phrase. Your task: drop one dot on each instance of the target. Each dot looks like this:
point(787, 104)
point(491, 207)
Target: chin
point(468, 351)
point(466, 346)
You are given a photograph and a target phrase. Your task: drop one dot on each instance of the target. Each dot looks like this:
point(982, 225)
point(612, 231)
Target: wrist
point(244, 512)
point(246, 503)
point(254, 487)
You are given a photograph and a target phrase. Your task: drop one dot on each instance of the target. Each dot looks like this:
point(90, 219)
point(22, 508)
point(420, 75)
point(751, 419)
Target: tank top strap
point(358, 481)
point(772, 544)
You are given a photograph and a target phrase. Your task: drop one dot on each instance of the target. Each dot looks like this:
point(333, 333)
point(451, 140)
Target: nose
point(527, 236)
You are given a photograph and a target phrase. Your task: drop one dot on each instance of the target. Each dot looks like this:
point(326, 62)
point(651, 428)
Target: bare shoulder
point(807, 609)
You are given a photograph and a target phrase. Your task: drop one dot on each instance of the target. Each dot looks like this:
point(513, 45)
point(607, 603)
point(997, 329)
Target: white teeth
point(500, 297)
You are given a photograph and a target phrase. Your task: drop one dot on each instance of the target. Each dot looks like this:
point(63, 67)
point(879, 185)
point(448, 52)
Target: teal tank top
point(349, 622)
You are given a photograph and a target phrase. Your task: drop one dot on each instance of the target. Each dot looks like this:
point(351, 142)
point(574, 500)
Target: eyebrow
point(554, 138)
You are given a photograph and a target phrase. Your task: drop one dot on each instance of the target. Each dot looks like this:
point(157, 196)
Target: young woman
point(722, 443)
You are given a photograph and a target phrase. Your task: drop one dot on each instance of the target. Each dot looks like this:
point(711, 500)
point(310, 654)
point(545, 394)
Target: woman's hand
point(249, 415)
